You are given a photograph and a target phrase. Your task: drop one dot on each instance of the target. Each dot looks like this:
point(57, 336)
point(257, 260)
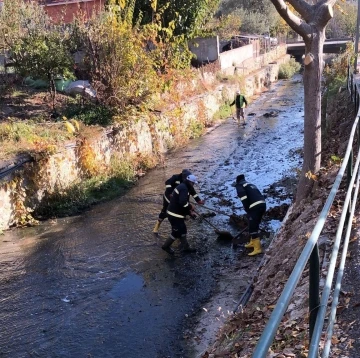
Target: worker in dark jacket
point(170, 185)
point(240, 103)
point(254, 205)
point(177, 210)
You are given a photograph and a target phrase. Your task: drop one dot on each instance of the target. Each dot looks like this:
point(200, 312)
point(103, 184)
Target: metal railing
point(310, 254)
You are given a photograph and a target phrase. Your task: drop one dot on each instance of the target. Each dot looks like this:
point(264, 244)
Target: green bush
point(87, 192)
point(287, 70)
point(335, 74)
point(196, 129)
point(121, 72)
point(89, 113)
point(81, 196)
point(223, 112)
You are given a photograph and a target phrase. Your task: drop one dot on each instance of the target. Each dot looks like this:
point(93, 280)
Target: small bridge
point(297, 49)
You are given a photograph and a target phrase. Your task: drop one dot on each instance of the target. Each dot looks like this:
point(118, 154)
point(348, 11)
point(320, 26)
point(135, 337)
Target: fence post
point(352, 87)
point(349, 174)
point(349, 169)
point(314, 289)
point(355, 99)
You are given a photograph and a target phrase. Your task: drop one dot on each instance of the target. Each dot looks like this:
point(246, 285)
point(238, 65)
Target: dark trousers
point(178, 227)
point(255, 215)
point(163, 214)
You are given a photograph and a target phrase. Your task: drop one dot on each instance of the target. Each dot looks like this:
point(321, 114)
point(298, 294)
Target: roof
point(57, 2)
point(60, 2)
point(248, 36)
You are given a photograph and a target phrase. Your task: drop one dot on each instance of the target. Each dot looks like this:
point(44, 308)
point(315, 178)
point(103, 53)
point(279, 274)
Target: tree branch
point(324, 12)
point(295, 22)
point(303, 8)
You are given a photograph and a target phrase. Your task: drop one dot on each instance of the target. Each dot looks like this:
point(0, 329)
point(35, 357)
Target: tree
point(343, 23)
point(256, 16)
point(253, 22)
point(310, 23)
point(36, 47)
point(189, 17)
point(119, 67)
point(224, 26)
point(252, 5)
point(43, 55)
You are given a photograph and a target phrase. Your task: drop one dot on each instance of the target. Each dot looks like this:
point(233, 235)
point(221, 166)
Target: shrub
point(336, 74)
point(196, 129)
point(120, 70)
point(223, 112)
point(287, 70)
point(89, 113)
point(37, 47)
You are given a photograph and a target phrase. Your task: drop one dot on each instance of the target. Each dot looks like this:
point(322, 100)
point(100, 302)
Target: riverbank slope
point(240, 334)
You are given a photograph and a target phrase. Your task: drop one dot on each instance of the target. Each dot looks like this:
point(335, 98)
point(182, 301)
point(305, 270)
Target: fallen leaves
point(311, 176)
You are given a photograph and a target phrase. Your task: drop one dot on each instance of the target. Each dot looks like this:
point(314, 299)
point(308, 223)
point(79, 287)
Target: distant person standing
point(254, 205)
point(240, 103)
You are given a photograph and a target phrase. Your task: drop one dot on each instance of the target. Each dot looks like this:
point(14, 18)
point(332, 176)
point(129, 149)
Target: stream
point(99, 284)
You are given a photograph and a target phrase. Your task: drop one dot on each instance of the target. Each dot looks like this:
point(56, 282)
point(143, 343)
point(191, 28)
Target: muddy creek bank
point(99, 285)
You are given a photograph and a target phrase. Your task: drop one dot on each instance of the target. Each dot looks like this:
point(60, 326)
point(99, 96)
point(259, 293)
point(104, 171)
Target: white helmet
point(192, 178)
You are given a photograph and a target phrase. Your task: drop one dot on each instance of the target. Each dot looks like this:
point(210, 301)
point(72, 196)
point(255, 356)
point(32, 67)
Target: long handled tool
point(239, 234)
point(214, 210)
point(222, 234)
point(225, 235)
point(230, 216)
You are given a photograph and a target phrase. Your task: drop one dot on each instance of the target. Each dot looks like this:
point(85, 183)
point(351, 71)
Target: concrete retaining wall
point(205, 49)
point(252, 64)
point(236, 57)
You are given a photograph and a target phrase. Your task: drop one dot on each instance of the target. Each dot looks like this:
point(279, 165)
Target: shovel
point(214, 210)
point(219, 211)
point(239, 234)
point(230, 216)
point(226, 235)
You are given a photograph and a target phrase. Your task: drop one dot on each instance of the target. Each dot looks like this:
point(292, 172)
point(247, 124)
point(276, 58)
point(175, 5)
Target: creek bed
point(99, 285)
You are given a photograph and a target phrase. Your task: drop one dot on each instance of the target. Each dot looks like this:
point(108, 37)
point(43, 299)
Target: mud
point(99, 285)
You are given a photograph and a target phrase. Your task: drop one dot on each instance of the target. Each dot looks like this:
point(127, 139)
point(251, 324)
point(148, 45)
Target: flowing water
point(99, 285)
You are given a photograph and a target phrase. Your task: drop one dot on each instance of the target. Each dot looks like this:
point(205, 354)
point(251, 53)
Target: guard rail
point(310, 254)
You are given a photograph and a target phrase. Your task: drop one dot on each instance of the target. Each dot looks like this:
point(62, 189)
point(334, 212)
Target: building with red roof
point(66, 10)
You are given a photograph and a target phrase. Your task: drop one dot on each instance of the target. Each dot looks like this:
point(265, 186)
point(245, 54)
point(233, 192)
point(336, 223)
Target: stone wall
point(145, 136)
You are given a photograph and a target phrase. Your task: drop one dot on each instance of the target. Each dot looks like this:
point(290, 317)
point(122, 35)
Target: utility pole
point(357, 38)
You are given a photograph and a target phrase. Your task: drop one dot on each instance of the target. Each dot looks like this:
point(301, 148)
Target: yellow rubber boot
point(257, 247)
point(157, 227)
point(250, 244)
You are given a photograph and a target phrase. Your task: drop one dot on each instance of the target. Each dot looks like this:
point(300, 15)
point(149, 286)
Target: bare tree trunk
point(309, 20)
point(52, 90)
point(312, 112)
